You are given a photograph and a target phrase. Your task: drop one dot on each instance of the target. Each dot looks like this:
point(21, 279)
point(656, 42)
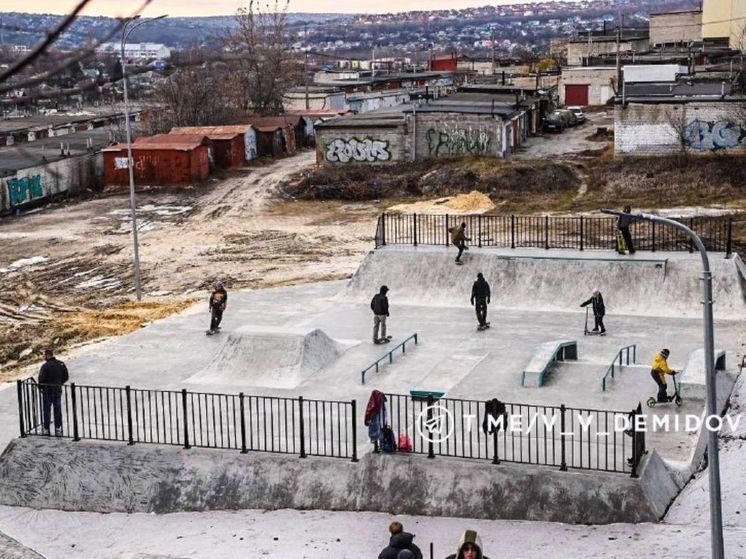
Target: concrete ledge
point(106, 477)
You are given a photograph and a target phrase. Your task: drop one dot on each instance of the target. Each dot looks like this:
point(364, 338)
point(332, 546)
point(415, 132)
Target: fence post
point(130, 437)
point(244, 450)
point(20, 408)
point(653, 234)
point(430, 444)
point(448, 240)
point(546, 232)
point(354, 430)
point(302, 429)
point(634, 460)
point(691, 226)
point(495, 459)
point(581, 232)
point(383, 229)
point(729, 239)
point(74, 399)
point(186, 423)
point(414, 223)
point(512, 231)
point(479, 230)
point(563, 463)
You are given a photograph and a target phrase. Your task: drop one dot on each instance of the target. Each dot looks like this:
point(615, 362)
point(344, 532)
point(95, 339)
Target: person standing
point(52, 375)
point(380, 307)
point(469, 547)
point(623, 224)
point(459, 238)
point(659, 371)
point(218, 302)
point(480, 298)
point(599, 310)
point(400, 541)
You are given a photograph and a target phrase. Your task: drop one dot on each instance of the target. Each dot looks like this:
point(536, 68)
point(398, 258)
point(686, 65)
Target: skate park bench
point(546, 354)
point(388, 355)
point(693, 376)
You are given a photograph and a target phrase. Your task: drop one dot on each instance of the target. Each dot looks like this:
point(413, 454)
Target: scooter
point(587, 332)
point(675, 397)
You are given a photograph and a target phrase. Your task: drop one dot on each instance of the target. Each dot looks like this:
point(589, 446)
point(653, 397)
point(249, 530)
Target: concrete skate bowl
point(654, 284)
point(269, 359)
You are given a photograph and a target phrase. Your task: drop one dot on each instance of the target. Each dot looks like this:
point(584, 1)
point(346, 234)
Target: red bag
point(405, 443)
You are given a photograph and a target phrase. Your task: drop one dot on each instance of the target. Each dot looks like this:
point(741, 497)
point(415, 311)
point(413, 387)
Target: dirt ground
point(66, 271)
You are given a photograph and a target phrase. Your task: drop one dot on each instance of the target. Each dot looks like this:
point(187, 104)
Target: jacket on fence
point(480, 289)
point(458, 234)
point(375, 415)
point(380, 304)
point(219, 299)
point(493, 410)
point(54, 373)
point(597, 300)
point(660, 368)
point(399, 542)
point(469, 536)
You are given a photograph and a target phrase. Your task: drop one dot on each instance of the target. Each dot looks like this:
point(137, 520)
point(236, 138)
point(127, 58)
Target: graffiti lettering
point(24, 189)
point(352, 149)
point(458, 142)
point(704, 136)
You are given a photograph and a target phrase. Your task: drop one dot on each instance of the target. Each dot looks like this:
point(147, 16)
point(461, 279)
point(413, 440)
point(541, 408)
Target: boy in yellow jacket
point(659, 371)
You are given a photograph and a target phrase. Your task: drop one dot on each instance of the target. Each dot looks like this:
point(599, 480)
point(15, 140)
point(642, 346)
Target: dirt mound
point(474, 202)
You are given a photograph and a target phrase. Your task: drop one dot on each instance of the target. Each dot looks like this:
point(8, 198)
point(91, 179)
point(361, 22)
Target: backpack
point(388, 440)
point(405, 443)
point(494, 409)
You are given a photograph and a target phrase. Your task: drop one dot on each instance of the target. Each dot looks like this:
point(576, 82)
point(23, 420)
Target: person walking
point(400, 542)
point(623, 224)
point(375, 418)
point(659, 371)
point(469, 547)
point(52, 375)
point(218, 302)
point(459, 238)
point(480, 298)
point(599, 310)
point(380, 307)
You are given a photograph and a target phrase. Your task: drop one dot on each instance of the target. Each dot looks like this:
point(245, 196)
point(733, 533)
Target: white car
point(578, 112)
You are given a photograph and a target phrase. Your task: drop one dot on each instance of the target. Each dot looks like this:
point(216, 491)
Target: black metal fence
point(557, 436)
point(206, 420)
point(579, 233)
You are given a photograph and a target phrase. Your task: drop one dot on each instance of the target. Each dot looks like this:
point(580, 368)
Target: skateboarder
point(52, 376)
point(599, 310)
point(459, 238)
point(623, 224)
point(218, 302)
point(480, 294)
point(659, 371)
point(380, 307)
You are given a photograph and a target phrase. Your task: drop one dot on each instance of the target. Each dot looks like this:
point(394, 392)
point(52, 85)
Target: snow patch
point(22, 263)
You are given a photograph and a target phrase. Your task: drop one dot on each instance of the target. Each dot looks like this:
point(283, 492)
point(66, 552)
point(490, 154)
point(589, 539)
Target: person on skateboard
point(218, 302)
point(459, 238)
point(480, 298)
point(380, 307)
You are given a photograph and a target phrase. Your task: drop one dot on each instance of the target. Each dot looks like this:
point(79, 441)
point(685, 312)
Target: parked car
point(567, 116)
point(579, 114)
point(554, 123)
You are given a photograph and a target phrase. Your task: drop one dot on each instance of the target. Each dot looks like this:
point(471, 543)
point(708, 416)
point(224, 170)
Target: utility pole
point(588, 62)
point(618, 59)
point(373, 62)
point(492, 44)
point(305, 79)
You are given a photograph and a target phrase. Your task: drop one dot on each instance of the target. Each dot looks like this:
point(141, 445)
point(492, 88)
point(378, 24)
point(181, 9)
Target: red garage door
point(576, 95)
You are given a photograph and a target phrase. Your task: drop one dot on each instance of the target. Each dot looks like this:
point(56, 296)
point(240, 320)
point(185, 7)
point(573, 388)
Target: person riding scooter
point(659, 371)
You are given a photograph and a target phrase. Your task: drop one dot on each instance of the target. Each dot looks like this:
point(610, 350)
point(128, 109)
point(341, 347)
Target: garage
point(576, 94)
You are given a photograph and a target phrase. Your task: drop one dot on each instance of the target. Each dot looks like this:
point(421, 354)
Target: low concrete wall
point(106, 477)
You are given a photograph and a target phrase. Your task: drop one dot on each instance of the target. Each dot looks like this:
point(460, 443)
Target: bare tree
point(265, 65)
point(677, 120)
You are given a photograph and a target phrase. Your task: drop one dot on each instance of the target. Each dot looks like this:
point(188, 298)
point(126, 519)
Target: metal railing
point(197, 419)
point(389, 355)
point(612, 368)
point(557, 436)
point(579, 233)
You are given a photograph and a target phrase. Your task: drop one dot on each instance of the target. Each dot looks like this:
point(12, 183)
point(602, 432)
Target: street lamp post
point(716, 514)
point(126, 30)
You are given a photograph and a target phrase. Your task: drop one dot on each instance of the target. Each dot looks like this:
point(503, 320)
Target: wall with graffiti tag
point(456, 135)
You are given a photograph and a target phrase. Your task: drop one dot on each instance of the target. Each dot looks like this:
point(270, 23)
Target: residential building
point(724, 21)
point(137, 51)
point(583, 49)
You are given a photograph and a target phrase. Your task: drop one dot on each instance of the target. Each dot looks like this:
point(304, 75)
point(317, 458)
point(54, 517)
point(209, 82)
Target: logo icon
point(435, 424)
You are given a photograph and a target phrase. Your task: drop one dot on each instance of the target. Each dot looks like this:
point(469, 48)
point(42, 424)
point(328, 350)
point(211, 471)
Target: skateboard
point(480, 327)
point(385, 340)
point(213, 332)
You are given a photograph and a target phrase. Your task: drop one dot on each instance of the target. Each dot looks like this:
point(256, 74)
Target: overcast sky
point(228, 7)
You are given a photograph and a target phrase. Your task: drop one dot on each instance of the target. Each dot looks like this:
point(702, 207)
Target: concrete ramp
point(657, 284)
point(278, 359)
point(693, 381)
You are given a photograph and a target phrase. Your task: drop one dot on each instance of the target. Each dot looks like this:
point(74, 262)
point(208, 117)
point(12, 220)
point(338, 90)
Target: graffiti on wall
point(457, 142)
point(710, 136)
point(344, 150)
point(25, 189)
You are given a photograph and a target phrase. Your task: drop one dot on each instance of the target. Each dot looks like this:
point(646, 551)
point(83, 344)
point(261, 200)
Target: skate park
point(315, 341)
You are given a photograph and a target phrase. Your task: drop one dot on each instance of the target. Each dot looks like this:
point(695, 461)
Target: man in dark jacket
point(400, 541)
point(599, 310)
point(480, 294)
point(623, 224)
point(52, 376)
point(459, 238)
point(218, 302)
point(380, 307)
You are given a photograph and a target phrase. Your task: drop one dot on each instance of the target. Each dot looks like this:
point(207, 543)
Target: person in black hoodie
point(400, 541)
point(52, 376)
point(218, 302)
point(380, 307)
point(480, 294)
point(599, 310)
point(623, 224)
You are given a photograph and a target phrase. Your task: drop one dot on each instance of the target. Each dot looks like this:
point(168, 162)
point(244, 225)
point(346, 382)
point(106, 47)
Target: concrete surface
point(11, 549)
